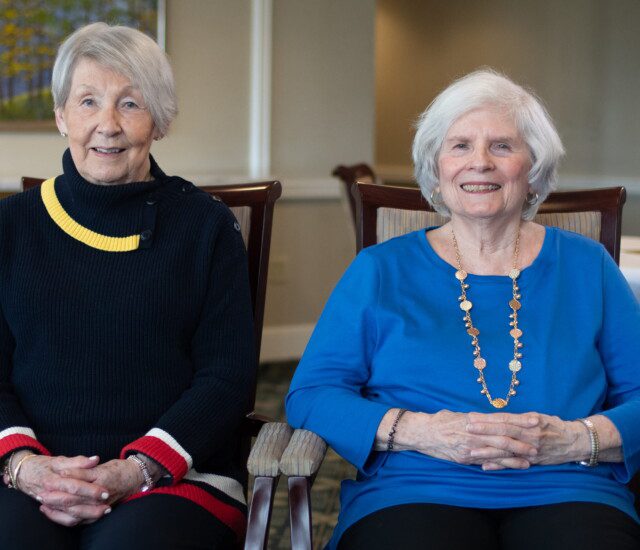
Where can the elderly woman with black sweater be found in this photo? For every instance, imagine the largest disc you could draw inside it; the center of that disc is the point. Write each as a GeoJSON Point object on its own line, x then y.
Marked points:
{"type": "Point", "coordinates": [126, 347]}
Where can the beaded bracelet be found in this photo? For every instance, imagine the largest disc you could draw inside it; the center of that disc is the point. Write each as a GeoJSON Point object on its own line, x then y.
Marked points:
{"type": "Point", "coordinates": [392, 433]}
{"type": "Point", "coordinates": [12, 473]}
{"type": "Point", "coordinates": [148, 480]}
{"type": "Point", "coordinates": [595, 443]}
{"type": "Point", "coordinates": [7, 471]}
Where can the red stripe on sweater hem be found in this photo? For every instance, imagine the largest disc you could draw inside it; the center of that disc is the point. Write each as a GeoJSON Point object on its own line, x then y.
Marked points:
{"type": "Point", "coordinates": [159, 451]}
{"type": "Point", "coordinates": [227, 514]}
{"type": "Point", "coordinates": [14, 442]}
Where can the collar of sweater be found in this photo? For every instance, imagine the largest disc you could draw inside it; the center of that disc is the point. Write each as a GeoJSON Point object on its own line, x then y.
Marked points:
{"type": "Point", "coordinates": [113, 210]}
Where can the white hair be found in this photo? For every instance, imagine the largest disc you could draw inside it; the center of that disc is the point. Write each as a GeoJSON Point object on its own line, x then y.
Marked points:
{"type": "Point", "coordinates": [487, 88]}
{"type": "Point", "coordinates": [125, 51]}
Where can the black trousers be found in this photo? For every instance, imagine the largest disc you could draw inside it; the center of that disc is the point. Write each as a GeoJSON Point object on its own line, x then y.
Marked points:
{"type": "Point", "coordinates": [162, 522]}
{"type": "Point", "coordinates": [566, 526]}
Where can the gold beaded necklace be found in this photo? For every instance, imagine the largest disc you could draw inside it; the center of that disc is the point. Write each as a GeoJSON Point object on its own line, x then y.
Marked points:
{"type": "Point", "coordinates": [465, 305]}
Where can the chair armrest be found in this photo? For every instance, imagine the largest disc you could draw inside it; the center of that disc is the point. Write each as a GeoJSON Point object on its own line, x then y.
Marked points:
{"type": "Point", "coordinates": [252, 424]}
{"type": "Point", "coordinates": [268, 448]}
{"type": "Point", "coordinates": [304, 454]}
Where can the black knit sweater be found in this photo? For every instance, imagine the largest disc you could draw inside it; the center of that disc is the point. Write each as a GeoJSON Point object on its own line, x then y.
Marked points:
{"type": "Point", "coordinates": [114, 352]}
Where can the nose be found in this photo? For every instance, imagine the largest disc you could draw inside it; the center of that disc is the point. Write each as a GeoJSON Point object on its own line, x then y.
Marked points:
{"type": "Point", "coordinates": [481, 160]}
{"type": "Point", "coordinates": [109, 121]}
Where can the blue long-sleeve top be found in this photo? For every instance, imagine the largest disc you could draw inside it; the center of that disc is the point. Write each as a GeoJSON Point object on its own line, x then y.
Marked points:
{"type": "Point", "coordinates": [392, 335]}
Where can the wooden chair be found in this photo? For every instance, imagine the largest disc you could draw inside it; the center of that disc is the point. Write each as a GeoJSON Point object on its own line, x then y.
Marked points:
{"type": "Point", "coordinates": [384, 212]}
{"type": "Point", "coordinates": [252, 205]}
{"type": "Point", "coordinates": [348, 175]}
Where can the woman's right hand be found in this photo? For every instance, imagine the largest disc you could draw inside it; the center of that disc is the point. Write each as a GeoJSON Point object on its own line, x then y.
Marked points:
{"type": "Point", "coordinates": [445, 435]}
{"type": "Point", "coordinates": [65, 500]}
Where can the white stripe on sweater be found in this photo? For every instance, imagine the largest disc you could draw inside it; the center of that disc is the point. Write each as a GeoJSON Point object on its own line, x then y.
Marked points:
{"type": "Point", "coordinates": [227, 485]}
{"type": "Point", "coordinates": [169, 440]}
{"type": "Point", "coordinates": [18, 430]}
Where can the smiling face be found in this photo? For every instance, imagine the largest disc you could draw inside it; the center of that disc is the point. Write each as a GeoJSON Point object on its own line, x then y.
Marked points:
{"type": "Point", "coordinates": [483, 166]}
{"type": "Point", "coordinates": [109, 126]}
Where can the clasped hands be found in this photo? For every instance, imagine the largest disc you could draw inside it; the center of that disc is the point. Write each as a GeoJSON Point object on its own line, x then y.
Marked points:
{"type": "Point", "coordinates": [496, 441]}
{"type": "Point", "coordinates": [76, 490]}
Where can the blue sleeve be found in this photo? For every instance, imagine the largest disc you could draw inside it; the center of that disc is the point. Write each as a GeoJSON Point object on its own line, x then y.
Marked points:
{"type": "Point", "coordinates": [325, 395]}
{"type": "Point", "coordinates": [619, 347]}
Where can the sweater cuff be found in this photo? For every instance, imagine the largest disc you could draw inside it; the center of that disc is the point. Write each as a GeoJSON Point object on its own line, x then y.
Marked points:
{"type": "Point", "coordinates": [165, 450]}
{"type": "Point", "coordinates": [20, 437]}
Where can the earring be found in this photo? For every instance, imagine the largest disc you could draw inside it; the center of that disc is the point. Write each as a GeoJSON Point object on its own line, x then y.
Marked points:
{"type": "Point", "coordinates": [435, 198]}
{"type": "Point", "coordinates": [532, 198]}
{"type": "Point", "coordinates": [63, 134]}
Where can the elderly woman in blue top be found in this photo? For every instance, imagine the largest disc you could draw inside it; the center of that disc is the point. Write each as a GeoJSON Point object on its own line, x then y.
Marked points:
{"type": "Point", "coordinates": [126, 351]}
{"type": "Point", "coordinates": [483, 376]}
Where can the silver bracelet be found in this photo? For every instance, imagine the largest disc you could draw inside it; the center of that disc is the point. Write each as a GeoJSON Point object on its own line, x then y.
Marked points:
{"type": "Point", "coordinates": [148, 480]}
{"type": "Point", "coordinates": [595, 444]}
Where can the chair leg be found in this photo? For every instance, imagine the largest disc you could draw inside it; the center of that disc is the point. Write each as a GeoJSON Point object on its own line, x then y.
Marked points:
{"type": "Point", "coordinates": [260, 513]}
{"type": "Point", "coordinates": [300, 513]}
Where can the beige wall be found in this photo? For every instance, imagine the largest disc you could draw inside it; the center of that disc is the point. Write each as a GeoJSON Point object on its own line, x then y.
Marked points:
{"type": "Point", "coordinates": [323, 83]}
{"type": "Point", "coordinates": [323, 115]}
{"type": "Point", "coordinates": [581, 56]}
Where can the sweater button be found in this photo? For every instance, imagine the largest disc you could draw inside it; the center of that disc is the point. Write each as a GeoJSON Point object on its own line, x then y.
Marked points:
{"type": "Point", "coordinates": [216, 198]}
{"type": "Point", "coordinates": [186, 187]}
{"type": "Point", "coordinates": [236, 225]}
{"type": "Point", "coordinates": [146, 235]}
{"type": "Point", "coordinates": [151, 202]}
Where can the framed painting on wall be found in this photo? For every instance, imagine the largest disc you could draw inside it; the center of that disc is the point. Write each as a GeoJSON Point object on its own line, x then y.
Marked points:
{"type": "Point", "coordinates": [30, 33]}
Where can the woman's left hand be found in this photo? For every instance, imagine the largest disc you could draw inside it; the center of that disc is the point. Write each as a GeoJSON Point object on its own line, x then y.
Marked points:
{"type": "Point", "coordinates": [557, 441]}
{"type": "Point", "coordinates": [122, 478]}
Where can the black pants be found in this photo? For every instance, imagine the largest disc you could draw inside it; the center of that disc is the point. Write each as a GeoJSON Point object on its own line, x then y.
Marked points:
{"type": "Point", "coordinates": [566, 526]}
{"type": "Point", "coordinates": [162, 522]}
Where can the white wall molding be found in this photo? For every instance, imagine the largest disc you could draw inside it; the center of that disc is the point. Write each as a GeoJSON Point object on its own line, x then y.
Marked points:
{"type": "Point", "coordinates": [284, 342]}
{"type": "Point", "coordinates": [293, 188]}
{"type": "Point", "coordinates": [570, 181]}
{"type": "Point", "coordinates": [260, 97]}
{"type": "Point", "coordinates": [395, 172]}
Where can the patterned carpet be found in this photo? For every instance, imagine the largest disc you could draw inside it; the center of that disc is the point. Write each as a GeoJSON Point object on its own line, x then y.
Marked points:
{"type": "Point", "coordinates": [273, 383]}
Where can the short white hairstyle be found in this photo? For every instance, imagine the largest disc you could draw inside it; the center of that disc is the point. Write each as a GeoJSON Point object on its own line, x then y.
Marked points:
{"type": "Point", "coordinates": [487, 88]}
{"type": "Point", "coordinates": [127, 52]}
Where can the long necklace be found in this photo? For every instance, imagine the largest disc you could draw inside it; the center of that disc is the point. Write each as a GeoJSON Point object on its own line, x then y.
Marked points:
{"type": "Point", "coordinates": [479, 362]}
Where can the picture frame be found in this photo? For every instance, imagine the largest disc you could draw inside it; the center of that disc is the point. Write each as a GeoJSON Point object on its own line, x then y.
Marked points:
{"type": "Point", "coordinates": [30, 33]}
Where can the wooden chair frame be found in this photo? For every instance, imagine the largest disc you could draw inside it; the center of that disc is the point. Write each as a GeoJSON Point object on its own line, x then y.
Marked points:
{"type": "Point", "coordinates": [348, 175]}
{"type": "Point", "coordinates": [607, 201]}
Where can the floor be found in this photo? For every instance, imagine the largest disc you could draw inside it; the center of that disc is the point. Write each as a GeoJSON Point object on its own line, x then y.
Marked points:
{"type": "Point", "coordinates": [273, 383]}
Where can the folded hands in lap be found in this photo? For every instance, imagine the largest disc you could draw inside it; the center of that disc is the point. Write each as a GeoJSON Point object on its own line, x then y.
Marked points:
{"type": "Point", "coordinates": [494, 441]}
{"type": "Point", "coordinates": [555, 441]}
{"type": "Point", "coordinates": [75, 490]}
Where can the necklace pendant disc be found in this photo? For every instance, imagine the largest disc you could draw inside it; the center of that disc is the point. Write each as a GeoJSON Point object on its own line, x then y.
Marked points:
{"type": "Point", "coordinates": [473, 331]}
{"type": "Point", "coordinates": [479, 363]}
{"type": "Point", "coordinates": [514, 304]}
{"type": "Point", "coordinates": [515, 365]}
{"type": "Point", "coordinates": [514, 273]}
{"type": "Point", "coordinates": [461, 274]}
{"type": "Point", "coordinates": [466, 305]}
{"type": "Point", "coordinates": [515, 333]}
{"type": "Point", "coordinates": [499, 403]}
